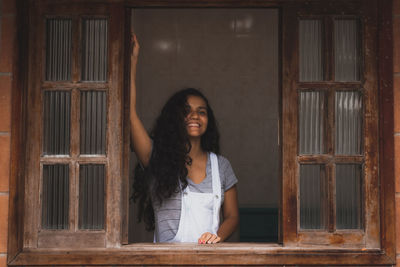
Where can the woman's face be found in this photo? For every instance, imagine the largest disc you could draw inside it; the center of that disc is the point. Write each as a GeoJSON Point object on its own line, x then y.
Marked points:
{"type": "Point", "coordinates": [197, 117]}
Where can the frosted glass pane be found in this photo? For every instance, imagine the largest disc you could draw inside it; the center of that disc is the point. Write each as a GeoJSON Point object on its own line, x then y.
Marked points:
{"type": "Point", "coordinates": [91, 196]}
{"type": "Point", "coordinates": [56, 122]}
{"type": "Point", "coordinates": [55, 196]}
{"type": "Point", "coordinates": [348, 118]}
{"type": "Point", "coordinates": [94, 52]}
{"type": "Point", "coordinates": [311, 63]}
{"type": "Point", "coordinates": [348, 196]}
{"type": "Point", "coordinates": [312, 122]}
{"type": "Point", "coordinates": [58, 49]}
{"type": "Point", "coordinates": [313, 197]}
{"type": "Point", "coordinates": [347, 50]}
{"type": "Point", "coordinates": [93, 122]}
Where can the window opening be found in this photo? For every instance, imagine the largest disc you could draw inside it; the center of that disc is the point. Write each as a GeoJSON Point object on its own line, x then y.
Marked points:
{"type": "Point", "coordinates": [232, 55]}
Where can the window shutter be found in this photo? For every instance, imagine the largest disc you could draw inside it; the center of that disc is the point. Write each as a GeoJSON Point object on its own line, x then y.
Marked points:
{"type": "Point", "coordinates": [75, 152]}
{"type": "Point", "coordinates": [329, 181]}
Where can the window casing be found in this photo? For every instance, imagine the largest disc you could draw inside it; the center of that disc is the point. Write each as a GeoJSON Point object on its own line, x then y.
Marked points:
{"type": "Point", "coordinates": [331, 247]}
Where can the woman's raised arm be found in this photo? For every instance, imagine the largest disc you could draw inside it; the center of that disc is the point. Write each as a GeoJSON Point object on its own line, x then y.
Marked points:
{"type": "Point", "coordinates": [140, 139]}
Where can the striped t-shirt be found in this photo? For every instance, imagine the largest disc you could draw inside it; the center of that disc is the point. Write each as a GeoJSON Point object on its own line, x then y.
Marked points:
{"type": "Point", "coordinates": [167, 215]}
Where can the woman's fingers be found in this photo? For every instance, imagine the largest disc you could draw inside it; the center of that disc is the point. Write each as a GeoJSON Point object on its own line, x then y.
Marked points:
{"type": "Point", "coordinates": [135, 41]}
{"type": "Point", "coordinates": [203, 238]}
{"type": "Point", "coordinates": [209, 238]}
{"type": "Point", "coordinates": [135, 45]}
{"type": "Point", "coordinates": [216, 240]}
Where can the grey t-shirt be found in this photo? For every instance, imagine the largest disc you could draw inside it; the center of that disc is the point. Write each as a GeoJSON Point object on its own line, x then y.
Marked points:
{"type": "Point", "coordinates": [167, 215]}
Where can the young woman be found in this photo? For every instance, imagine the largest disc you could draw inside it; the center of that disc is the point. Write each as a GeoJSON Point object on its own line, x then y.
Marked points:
{"type": "Point", "coordinates": [182, 182]}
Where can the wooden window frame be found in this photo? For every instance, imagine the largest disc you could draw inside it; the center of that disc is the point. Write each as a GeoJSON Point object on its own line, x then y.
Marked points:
{"type": "Point", "coordinates": [225, 253]}
{"type": "Point", "coordinates": [367, 236]}
{"type": "Point", "coordinates": [36, 236]}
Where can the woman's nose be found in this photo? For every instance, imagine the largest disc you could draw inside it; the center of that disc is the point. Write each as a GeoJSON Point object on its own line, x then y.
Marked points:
{"type": "Point", "coordinates": [193, 114]}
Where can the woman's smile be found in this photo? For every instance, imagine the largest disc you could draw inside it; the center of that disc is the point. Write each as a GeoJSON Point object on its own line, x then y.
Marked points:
{"type": "Point", "coordinates": [192, 124]}
{"type": "Point", "coordinates": [197, 117]}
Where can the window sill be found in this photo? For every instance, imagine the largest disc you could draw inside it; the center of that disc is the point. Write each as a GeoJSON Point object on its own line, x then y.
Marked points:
{"type": "Point", "coordinates": [224, 253]}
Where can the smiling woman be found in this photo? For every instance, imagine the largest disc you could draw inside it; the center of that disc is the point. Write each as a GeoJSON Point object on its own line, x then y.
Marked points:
{"type": "Point", "coordinates": [232, 56]}
{"type": "Point", "coordinates": [177, 157]}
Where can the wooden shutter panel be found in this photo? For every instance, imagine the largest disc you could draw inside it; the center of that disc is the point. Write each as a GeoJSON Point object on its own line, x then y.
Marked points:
{"type": "Point", "coordinates": [332, 121]}
{"type": "Point", "coordinates": [74, 149]}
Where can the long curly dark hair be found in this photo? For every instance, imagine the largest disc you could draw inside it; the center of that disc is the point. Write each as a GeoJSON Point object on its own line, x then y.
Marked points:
{"type": "Point", "coordinates": [171, 145]}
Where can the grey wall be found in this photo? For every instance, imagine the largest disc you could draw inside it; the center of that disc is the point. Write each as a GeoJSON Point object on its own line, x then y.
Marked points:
{"type": "Point", "coordinates": [232, 56]}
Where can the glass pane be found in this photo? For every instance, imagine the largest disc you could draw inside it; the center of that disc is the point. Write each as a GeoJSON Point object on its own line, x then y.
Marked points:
{"type": "Point", "coordinates": [58, 49]}
{"type": "Point", "coordinates": [91, 196]}
{"type": "Point", "coordinates": [312, 122]}
{"type": "Point", "coordinates": [313, 197]}
{"type": "Point", "coordinates": [348, 196]}
{"type": "Point", "coordinates": [55, 196]}
{"type": "Point", "coordinates": [93, 122]}
{"type": "Point", "coordinates": [347, 50]}
{"type": "Point", "coordinates": [311, 56]}
{"type": "Point", "coordinates": [348, 117]}
{"type": "Point", "coordinates": [94, 50]}
{"type": "Point", "coordinates": [56, 122]}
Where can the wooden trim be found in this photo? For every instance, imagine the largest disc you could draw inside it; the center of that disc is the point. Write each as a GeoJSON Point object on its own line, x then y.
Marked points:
{"type": "Point", "coordinates": [345, 238]}
{"type": "Point", "coordinates": [74, 128]}
{"type": "Point", "coordinates": [66, 239]}
{"type": "Point", "coordinates": [330, 208]}
{"type": "Point", "coordinates": [80, 160]}
{"type": "Point", "coordinates": [280, 129]}
{"type": "Point", "coordinates": [204, 3]}
{"type": "Point", "coordinates": [125, 197]}
{"type": "Point", "coordinates": [371, 126]}
{"type": "Point", "coordinates": [226, 254]}
{"type": "Point", "coordinates": [343, 4]}
{"type": "Point", "coordinates": [115, 125]}
{"type": "Point", "coordinates": [33, 122]}
{"type": "Point", "coordinates": [92, 86]}
{"type": "Point", "coordinates": [330, 120]}
{"type": "Point", "coordinates": [386, 129]}
{"type": "Point", "coordinates": [338, 8]}
{"type": "Point", "coordinates": [326, 159]}
{"type": "Point", "coordinates": [18, 118]}
{"type": "Point", "coordinates": [86, 7]}
{"type": "Point", "coordinates": [74, 196]}
{"type": "Point", "coordinates": [330, 85]}
{"type": "Point", "coordinates": [289, 126]}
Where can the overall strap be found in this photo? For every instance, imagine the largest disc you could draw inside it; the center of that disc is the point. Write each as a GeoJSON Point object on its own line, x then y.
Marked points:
{"type": "Point", "coordinates": [216, 186]}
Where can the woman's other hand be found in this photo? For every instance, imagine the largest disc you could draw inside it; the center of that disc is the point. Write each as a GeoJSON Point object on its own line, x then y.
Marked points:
{"type": "Point", "coordinates": [135, 47]}
{"type": "Point", "coordinates": [134, 59]}
{"type": "Point", "coordinates": [209, 238]}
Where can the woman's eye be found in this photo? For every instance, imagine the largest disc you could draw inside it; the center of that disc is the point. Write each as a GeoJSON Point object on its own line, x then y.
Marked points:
{"type": "Point", "coordinates": [187, 110]}
{"type": "Point", "coordinates": [202, 113]}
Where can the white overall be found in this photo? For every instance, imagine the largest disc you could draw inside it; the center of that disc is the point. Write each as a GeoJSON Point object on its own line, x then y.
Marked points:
{"type": "Point", "coordinates": [200, 211]}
